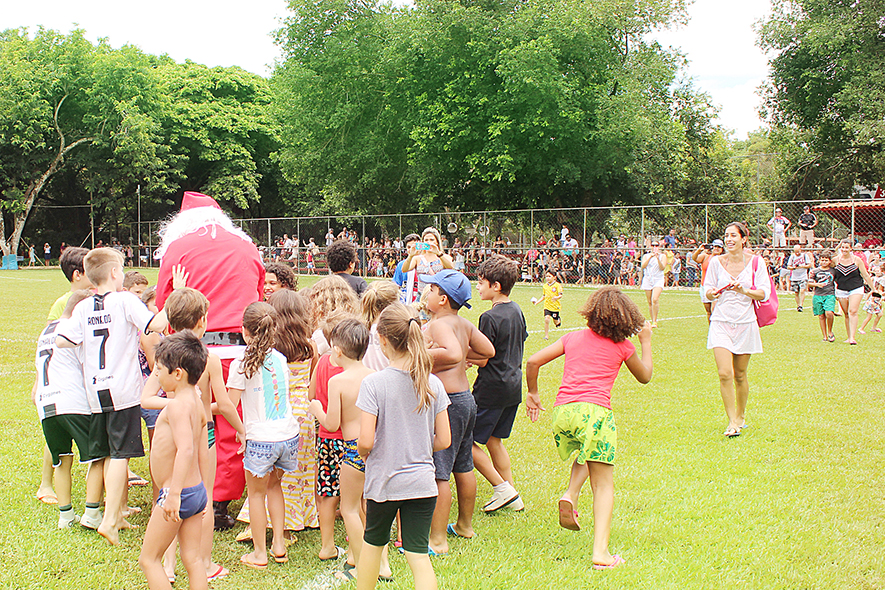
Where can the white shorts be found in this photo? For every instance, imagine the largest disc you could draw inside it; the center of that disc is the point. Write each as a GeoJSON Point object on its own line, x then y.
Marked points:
{"type": "Point", "coordinates": [736, 338]}
{"type": "Point", "coordinates": [840, 294]}
{"type": "Point", "coordinates": [648, 283]}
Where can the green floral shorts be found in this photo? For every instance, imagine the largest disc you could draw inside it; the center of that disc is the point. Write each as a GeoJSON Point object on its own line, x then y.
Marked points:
{"type": "Point", "coordinates": [586, 428]}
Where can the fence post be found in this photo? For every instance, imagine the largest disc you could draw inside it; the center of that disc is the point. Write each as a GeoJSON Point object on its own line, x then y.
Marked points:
{"type": "Point", "coordinates": [584, 239]}
{"type": "Point", "coordinates": [642, 226]}
{"type": "Point", "coordinates": [268, 233]}
{"type": "Point", "coordinates": [852, 223]}
{"type": "Point", "coordinates": [399, 217]}
{"type": "Point", "coordinates": [706, 224]}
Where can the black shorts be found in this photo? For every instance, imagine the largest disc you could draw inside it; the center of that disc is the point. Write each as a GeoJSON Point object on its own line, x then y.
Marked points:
{"type": "Point", "coordinates": [552, 314]}
{"type": "Point", "coordinates": [63, 430]}
{"type": "Point", "coordinates": [497, 422]}
{"type": "Point", "coordinates": [415, 516]}
{"type": "Point", "coordinates": [458, 458]}
{"type": "Point", "coordinates": [118, 431]}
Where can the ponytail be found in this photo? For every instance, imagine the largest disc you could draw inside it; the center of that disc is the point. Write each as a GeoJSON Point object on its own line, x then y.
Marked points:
{"type": "Point", "coordinates": [403, 331]}
{"type": "Point", "coordinates": [377, 297]}
{"type": "Point", "coordinates": [259, 320]}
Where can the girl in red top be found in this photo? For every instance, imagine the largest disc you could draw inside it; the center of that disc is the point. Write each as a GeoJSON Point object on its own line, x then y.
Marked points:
{"type": "Point", "coordinates": [582, 418]}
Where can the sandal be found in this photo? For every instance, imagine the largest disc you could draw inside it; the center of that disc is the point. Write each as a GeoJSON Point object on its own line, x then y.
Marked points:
{"type": "Point", "coordinates": [568, 516]}
{"type": "Point", "coordinates": [247, 561]}
{"type": "Point", "coordinates": [732, 432]}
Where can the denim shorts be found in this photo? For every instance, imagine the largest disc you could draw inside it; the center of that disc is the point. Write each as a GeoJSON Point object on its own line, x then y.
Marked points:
{"type": "Point", "coordinates": [260, 457]}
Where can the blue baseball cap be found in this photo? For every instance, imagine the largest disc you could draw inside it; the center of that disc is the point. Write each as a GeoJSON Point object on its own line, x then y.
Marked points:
{"type": "Point", "coordinates": [453, 282]}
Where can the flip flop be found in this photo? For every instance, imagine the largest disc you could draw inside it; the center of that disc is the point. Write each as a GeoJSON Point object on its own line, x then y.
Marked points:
{"type": "Point", "coordinates": [47, 498]}
{"type": "Point", "coordinates": [137, 480]}
{"type": "Point", "coordinates": [345, 575]}
{"type": "Point", "coordinates": [433, 553]}
{"type": "Point", "coordinates": [618, 561]}
{"type": "Point", "coordinates": [341, 553]}
{"type": "Point", "coordinates": [731, 432]}
{"type": "Point", "coordinates": [245, 560]}
{"type": "Point", "coordinates": [219, 573]}
{"type": "Point", "coordinates": [245, 535]}
{"type": "Point", "coordinates": [284, 558]}
{"type": "Point", "coordinates": [568, 516]}
{"type": "Point", "coordinates": [451, 531]}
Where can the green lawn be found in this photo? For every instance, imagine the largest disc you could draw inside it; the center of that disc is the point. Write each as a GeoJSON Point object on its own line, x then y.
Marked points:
{"type": "Point", "coordinates": [796, 502]}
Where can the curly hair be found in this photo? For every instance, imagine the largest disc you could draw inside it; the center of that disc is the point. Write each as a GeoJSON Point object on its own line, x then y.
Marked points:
{"type": "Point", "coordinates": [612, 315]}
{"type": "Point", "coordinates": [293, 328]}
{"type": "Point", "coordinates": [329, 294]}
{"type": "Point", "coordinates": [340, 255]}
{"type": "Point", "coordinates": [285, 275]}
{"type": "Point", "coordinates": [259, 320]}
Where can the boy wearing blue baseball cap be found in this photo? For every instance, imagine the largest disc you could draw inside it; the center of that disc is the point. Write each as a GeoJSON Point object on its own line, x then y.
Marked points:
{"type": "Point", "coordinates": [453, 341]}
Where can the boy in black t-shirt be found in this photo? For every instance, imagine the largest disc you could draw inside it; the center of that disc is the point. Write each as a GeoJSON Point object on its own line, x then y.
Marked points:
{"type": "Point", "coordinates": [498, 385]}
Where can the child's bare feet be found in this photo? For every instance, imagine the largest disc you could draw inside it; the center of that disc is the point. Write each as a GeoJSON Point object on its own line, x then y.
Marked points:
{"type": "Point", "coordinates": [46, 495]}
{"type": "Point", "coordinates": [130, 510]}
{"type": "Point", "coordinates": [110, 533]}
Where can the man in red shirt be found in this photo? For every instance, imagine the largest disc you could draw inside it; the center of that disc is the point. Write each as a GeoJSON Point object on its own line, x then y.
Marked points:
{"type": "Point", "coordinates": [224, 265]}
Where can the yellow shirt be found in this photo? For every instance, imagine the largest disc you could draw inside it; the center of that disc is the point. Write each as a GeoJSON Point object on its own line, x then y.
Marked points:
{"type": "Point", "coordinates": [58, 307]}
{"type": "Point", "coordinates": [551, 291]}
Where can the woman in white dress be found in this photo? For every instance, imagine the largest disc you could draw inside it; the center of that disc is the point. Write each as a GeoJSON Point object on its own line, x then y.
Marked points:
{"type": "Point", "coordinates": [733, 283]}
{"type": "Point", "coordinates": [653, 264]}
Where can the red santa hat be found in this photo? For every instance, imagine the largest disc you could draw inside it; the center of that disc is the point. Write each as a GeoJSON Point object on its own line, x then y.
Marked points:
{"type": "Point", "coordinates": [193, 200]}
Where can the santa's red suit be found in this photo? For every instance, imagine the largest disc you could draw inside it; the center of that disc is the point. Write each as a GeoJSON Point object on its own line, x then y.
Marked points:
{"type": "Point", "coordinates": [224, 265]}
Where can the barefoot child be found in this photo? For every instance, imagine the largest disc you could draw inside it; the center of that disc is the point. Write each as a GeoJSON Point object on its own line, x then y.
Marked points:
{"type": "Point", "coordinates": [552, 302]}
{"type": "Point", "coordinates": [261, 379]}
{"type": "Point", "coordinates": [107, 326]}
{"type": "Point", "coordinates": [451, 340]}
{"type": "Point", "coordinates": [403, 422]}
{"type": "Point", "coordinates": [583, 419]}
{"type": "Point", "coordinates": [823, 301]}
{"type": "Point", "coordinates": [498, 386]}
{"type": "Point", "coordinates": [187, 309]}
{"type": "Point", "coordinates": [60, 396]}
{"type": "Point", "coordinates": [349, 340]}
{"type": "Point", "coordinates": [175, 463]}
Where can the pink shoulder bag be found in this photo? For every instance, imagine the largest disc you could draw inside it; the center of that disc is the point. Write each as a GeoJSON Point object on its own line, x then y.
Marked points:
{"type": "Point", "coordinates": [766, 311]}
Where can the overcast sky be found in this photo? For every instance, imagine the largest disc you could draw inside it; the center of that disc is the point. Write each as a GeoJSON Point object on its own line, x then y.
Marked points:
{"type": "Point", "coordinates": [719, 40]}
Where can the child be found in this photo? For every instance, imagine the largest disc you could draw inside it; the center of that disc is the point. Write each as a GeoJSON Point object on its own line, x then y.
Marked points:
{"type": "Point", "coordinates": [452, 340]}
{"type": "Point", "coordinates": [260, 377]}
{"type": "Point", "coordinates": [377, 297]}
{"type": "Point", "coordinates": [60, 396]}
{"type": "Point", "coordinates": [498, 386]}
{"type": "Point", "coordinates": [107, 326]}
{"type": "Point", "coordinates": [135, 282]}
{"type": "Point", "coordinates": [187, 309]}
{"type": "Point", "coordinates": [552, 301]}
{"type": "Point", "coordinates": [71, 263]}
{"type": "Point", "coordinates": [583, 420]}
{"type": "Point", "coordinates": [823, 301]}
{"type": "Point", "coordinates": [873, 307]}
{"type": "Point", "coordinates": [175, 463]}
{"type": "Point", "coordinates": [330, 294]}
{"type": "Point", "coordinates": [403, 422]}
{"type": "Point", "coordinates": [349, 340]}
{"type": "Point", "coordinates": [292, 338]}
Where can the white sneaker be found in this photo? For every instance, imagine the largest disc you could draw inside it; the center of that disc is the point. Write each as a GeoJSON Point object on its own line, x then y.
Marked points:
{"type": "Point", "coordinates": [500, 498]}
{"type": "Point", "coordinates": [64, 523]}
{"type": "Point", "coordinates": [517, 505]}
{"type": "Point", "coordinates": [90, 523]}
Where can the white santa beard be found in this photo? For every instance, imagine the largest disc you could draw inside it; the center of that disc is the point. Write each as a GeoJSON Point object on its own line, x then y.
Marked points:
{"type": "Point", "coordinates": [205, 219]}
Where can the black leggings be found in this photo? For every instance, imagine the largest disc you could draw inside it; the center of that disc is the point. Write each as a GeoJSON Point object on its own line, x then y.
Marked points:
{"type": "Point", "coordinates": [415, 517]}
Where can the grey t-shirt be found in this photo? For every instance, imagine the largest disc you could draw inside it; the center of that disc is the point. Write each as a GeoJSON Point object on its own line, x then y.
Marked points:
{"type": "Point", "coordinates": [400, 466]}
{"type": "Point", "coordinates": [824, 277]}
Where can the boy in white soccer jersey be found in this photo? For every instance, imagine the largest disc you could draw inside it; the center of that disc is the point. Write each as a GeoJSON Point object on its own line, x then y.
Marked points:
{"type": "Point", "coordinates": [107, 326]}
{"type": "Point", "coordinates": [60, 397]}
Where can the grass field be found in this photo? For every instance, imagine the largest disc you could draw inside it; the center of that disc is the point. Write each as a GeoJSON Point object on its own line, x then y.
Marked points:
{"type": "Point", "coordinates": [797, 502]}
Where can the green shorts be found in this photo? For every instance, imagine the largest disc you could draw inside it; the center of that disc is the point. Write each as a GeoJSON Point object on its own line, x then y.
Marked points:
{"type": "Point", "coordinates": [821, 304]}
{"type": "Point", "coordinates": [586, 428]}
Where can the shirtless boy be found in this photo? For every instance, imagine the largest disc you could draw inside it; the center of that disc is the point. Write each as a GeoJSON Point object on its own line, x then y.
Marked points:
{"type": "Point", "coordinates": [452, 340]}
{"type": "Point", "coordinates": [349, 340]}
{"type": "Point", "coordinates": [175, 463]}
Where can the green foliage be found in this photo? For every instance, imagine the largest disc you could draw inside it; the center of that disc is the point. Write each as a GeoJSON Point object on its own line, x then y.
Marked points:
{"type": "Point", "coordinates": [825, 94]}
{"type": "Point", "coordinates": [477, 105]}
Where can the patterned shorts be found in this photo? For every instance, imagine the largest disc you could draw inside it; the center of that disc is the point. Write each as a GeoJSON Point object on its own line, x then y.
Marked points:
{"type": "Point", "coordinates": [330, 451]}
{"type": "Point", "coordinates": [586, 428]}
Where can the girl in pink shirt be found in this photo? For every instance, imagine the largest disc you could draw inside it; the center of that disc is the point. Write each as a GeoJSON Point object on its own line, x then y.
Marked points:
{"type": "Point", "coordinates": [582, 415]}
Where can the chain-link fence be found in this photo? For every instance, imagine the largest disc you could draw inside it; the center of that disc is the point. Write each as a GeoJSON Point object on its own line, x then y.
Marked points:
{"type": "Point", "coordinates": [588, 245]}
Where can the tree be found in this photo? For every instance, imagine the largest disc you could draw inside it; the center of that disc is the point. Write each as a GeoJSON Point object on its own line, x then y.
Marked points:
{"type": "Point", "coordinates": [825, 95]}
{"type": "Point", "coordinates": [467, 104]}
